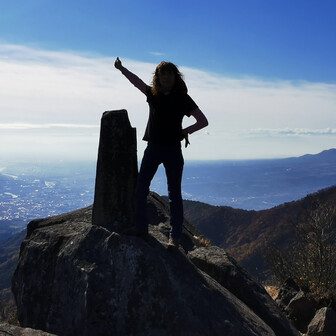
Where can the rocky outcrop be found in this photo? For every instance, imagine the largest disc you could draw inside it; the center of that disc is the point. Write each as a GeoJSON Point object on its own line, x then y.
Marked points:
{"type": "Point", "coordinates": [12, 330]}
{"type": "Point", "coordinates": [307, 315]}
{"type": "Point", "coordinates": [287, 292]}
{"type": "Point", "coordinates": [323, 323]}
{"type": "Point", "coordinates": [225, 270]}
{"type": "Point", "coordinates": [75, 278]}
{"type": "Point", "coordinates": [79, 275]}
{"type": "Point", "coordinates": [300, 310]}
{"type": "Point", "coordinates": [116, 172]}
{"type": "Point", "coordinates": [7, 306]}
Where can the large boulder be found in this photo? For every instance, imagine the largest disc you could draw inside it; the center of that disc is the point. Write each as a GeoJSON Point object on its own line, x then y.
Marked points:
{"type": "Point", "coordinates": [12, 330]}
{"type": "Point", "coordinates": [300, 310]}
{"type": "Point", "coordinates": [75, 278]}
{"type": "Point", "coordinates": [287, 292]}
{"type": "Point", "coordinates": [323, 323]}
{"type": "Point", "coordinates": [225, 270]}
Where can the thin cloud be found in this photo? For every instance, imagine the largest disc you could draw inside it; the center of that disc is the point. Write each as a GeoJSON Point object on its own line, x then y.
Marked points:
{"type": "Point", "coordinates": [25, 126]}
{"type": "Point", "coordinates": [64, 91]}
{"type": "Point", "coordinates": [157, 53]}
{"type": "Point", "coordinates": [294, 132]}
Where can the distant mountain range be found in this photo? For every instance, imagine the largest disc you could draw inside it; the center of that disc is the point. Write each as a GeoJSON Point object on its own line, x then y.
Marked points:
{"type": "Point", "coordinates": [254, 184]}
{"type": "Point", "coordinates": [29, 191]}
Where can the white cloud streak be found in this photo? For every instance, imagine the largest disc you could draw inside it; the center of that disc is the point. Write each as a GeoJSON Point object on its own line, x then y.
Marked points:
{"type": "Point", "coordinates": [44, 92]}
{"type": "Point", "coordinates": [157, 53]}
{"type": "Point", "coordinates": [25, 126]}
{"type": "Point", "coordinates": [293, 132]}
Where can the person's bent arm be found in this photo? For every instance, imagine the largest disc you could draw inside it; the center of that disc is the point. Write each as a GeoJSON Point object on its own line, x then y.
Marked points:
{"type": "Point", "coordinates": [134, 79]}
{"type": "Point", "coordinates": [201, 121]}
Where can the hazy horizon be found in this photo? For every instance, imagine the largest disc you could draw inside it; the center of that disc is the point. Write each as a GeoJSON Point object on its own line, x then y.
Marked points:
{"type": "Point", "coordinates": [30, 164]}
{"type": "Point", "coordinates": [32, 190]}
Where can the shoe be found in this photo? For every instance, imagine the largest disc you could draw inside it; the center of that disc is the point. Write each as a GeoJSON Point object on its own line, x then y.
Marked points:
{"type": "Point", "coordinates": [133, 231]}
{"type": "Point", "coordinates": [173, 244]}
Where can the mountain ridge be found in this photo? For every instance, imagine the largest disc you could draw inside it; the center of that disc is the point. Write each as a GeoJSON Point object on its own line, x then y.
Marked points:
{"type": "Point", "coordinates": [245, 233]}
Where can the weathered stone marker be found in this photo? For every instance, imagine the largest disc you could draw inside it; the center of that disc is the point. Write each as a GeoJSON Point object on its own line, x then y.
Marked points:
{"type": "Point", "coordinates": [117, 171]}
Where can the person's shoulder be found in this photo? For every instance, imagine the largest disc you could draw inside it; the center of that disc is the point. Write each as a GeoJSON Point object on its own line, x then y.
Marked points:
{"type": "Point", "coordinates": [149, 93]}
{"type": "Point", "coordinates": [149, 90]}
{"type": "Point", "coordinates": [185, 96]}
{"type": "Point", "coordinates": [181, 94]}
{"type": "Point", "coordinates": [188, 102]}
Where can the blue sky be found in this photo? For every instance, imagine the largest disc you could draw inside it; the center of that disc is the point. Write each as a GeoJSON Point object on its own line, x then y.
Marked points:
{"type": "Point", "coordinates": [263, 72]}
{"type": "Point", "coordinates": [289, 39]}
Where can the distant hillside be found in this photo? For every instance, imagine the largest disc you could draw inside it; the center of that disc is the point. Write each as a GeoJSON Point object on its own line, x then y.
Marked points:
{"type": "Point", "coordinates": [254, 184]}
{"type": "Point", "coordinates": [9, 254]}
{"type": "Point", "coordinates": [326, 156]}
{"type": "Point", "coordinates": [244, 234]}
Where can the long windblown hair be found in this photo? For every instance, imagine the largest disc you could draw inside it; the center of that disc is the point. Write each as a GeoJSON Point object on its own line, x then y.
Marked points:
{"type": "Point", "coordinates": [179, 85]}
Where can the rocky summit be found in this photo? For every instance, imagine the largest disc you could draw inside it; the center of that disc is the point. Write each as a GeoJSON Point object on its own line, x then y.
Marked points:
{"type": "Point", "coordinates": [78, 274]}
{"type": "Point", "coordinates": [75, 278]}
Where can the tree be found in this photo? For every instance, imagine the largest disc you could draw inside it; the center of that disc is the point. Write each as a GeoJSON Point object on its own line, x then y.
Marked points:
{"type": "Point", "coordinates": [310, 258]}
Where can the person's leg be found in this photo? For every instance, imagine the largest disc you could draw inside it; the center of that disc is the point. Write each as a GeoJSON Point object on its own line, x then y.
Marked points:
{"type": "Point", "coordinates": [173, 163]}
{"type": "Point", "coordinates": [148, 168]}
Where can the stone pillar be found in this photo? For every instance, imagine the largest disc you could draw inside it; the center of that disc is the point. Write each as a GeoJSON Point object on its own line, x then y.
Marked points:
{"type": "Point", "coordinates": [116, 174]}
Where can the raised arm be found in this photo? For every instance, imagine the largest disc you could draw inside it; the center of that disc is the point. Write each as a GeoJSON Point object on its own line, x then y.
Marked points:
{"type": "Point", "coordinates": [134, 79]}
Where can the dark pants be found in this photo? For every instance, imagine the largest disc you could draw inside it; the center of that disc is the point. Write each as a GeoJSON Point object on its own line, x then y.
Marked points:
{"type": "Point", "coordinates": [172, 160]}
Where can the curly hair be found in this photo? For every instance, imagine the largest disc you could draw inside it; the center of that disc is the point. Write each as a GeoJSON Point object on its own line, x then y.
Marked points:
{"type": "Point", "coordinates": [179, 85]}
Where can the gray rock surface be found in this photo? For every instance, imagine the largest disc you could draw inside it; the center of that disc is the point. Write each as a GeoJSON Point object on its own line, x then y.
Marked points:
{"type": "Point", "coordinates": [116, 172]}
{"type": "Point", "coordinates": [323, 323]}
{"type": "Point", "coordinates": [225, 270]}
{"type": "Point", "coordinates": [286, 293]}
{"type": "Point", "coordinates": [75, 278]}
{"type": "Point", "coordinates": [11, 330]}
{"type": "Point", "coordinates": [300, 311]}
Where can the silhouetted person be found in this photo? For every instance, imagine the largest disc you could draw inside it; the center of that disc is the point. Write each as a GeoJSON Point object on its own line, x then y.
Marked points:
{"type": "Point", "coordinates": [168, 102]}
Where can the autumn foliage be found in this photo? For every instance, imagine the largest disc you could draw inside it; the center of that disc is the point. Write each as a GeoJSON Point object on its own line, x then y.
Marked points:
{"type": "Point", "coordinates": [310, 259]}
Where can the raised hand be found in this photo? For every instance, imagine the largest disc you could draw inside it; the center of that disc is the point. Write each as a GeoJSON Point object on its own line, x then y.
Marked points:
{"type": "Point", "coordinates": [118, 64]}
{"type": "Point", "coordinates": [134, 79]}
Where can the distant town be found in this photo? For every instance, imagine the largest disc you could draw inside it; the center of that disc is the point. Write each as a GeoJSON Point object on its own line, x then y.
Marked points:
{"type": "Point", "coordinates": [23, 198]}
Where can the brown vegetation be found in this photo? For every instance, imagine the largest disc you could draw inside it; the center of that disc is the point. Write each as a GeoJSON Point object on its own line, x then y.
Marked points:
{"type": "Point", "coordinates": [246, 235]}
